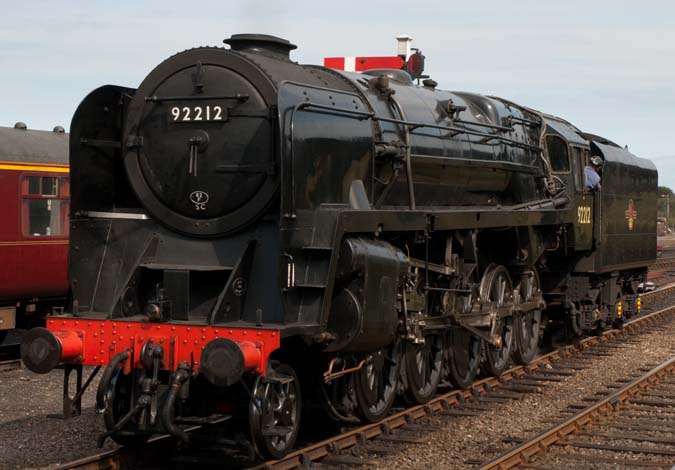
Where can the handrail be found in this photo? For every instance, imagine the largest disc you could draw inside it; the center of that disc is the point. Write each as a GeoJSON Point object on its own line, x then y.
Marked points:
{"type": "Point", "coordinates": [310, 106]}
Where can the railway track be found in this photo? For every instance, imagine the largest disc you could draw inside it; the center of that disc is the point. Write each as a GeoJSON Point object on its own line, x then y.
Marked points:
{"type": "Point", "coordinates": [662, 269]}
{"type": "Point", "coordinates": [661, 276]}
{"type": "Point", "coordinates": [10, 357]}
{"type": "Point", "coordinates": [518, 380]}
{"type": "Point", "coordinates": [663, 263]}
{"type": "Point", "coordinates": [630, 427]}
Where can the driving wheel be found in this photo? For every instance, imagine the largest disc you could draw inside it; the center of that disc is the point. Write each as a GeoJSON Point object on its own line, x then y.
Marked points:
{"type": "Point", "coordinates": [463, 354]}
{"type": "Point", "coordinates": [376, 383]}
{"type": "Point", "coordinates": [527, 325]}
{"type": "Point", "coordinates": [496, 288]}
{"type": "Point", "coordinates": [423, 366]}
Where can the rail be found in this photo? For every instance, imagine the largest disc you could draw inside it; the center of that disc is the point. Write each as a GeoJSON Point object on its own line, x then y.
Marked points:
{"type": "Point", "coordinates": [558, 433]}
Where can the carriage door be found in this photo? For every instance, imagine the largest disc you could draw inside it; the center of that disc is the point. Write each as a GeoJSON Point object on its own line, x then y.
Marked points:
{"type": "Point", "coordinates": [585, 217]}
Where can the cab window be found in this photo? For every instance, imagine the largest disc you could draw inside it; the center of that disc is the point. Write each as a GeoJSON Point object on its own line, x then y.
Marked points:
{"type": "Point", "coordinates": [558, 154]}
{"type": "Point", "coordinates": [580, 161]}
{"type": "Point", "coordinates": [45, 206]}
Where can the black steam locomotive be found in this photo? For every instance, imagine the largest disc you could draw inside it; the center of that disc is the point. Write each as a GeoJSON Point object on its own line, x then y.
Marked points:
{"type": "Point", "coordinates": [249, 234]}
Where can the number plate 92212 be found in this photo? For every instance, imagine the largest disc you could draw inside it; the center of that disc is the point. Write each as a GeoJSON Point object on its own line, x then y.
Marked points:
{"type": "Point", "coordinates": [197, 113]}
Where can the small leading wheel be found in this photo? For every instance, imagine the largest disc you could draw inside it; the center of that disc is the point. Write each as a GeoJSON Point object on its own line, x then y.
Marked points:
{"type": "Point", "coordinates": [463, 353]}
{"type": "Point", "coordinates": [376, 383]}
{"type": "Point", "coordinates": [496, 287]}
{"type": "Point", "coordinates": [423, 364]}
{"type": "Point", "coordinates": [119, 399]}
{"type": "Point", "coordinates": [274, 411]}
{"type": "Point", "coordinates": [527, 326]}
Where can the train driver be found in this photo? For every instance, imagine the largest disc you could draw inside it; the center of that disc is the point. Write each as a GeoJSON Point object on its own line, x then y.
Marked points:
{"type": "Point", "coordinates": [591, 174]}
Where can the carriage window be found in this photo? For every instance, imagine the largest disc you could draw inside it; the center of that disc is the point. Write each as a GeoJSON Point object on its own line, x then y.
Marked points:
{"type": "Point", "coordinates": [46, 217]}
{"type": "Point", "coordinates": [557, 154]}
{"type": "Point", "coordinates": [45, 206]}
{"type": "Point", "coordinates": [41, 185]}
{"type": "Point", "coordinates": [33, 184]}
{"type": "Point", "coordinates": [49, 186]}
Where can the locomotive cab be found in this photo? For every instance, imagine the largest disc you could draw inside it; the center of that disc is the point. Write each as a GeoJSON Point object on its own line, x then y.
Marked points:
{"type": "Point", "coordinates": [627, 212]}
{"type": "Point", "coordinates": [567, 153]}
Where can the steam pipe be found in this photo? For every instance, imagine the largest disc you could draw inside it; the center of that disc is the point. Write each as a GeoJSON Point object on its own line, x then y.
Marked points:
{"type": "Point", "coordinates": [177, 380]}
{"type": "Point", "coordinates": [104, 385]}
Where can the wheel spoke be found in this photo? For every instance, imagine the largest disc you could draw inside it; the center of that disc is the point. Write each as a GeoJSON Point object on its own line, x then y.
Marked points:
{"type": "Point", "coordinates": [502, 292]}
{"type": "Point", "coordinates": [383, 386]}
{"type": "Point", "coordinates": [420, 359]}
{"type": "Point", "coordinates": [370, 373]}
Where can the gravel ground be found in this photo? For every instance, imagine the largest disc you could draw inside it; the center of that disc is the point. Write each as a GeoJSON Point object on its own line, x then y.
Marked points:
{"type": "Point", "coordinates": [469, 438]}
{"type": "Point", "coordinates": [29, 439]}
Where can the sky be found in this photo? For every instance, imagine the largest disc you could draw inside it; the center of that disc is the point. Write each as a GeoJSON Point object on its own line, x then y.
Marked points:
{"type": "Point", "coordinates": [607, 66]}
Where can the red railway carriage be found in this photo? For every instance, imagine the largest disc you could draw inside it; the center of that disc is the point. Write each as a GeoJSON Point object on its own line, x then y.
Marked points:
{"type": "Point", "coordinates": [35, 193]}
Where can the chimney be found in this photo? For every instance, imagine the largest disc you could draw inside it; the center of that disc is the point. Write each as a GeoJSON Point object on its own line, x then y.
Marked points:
{"type": "Point", "coordinates": [404, 42]}
{"type": "Point", "coordinates": [261, 44]}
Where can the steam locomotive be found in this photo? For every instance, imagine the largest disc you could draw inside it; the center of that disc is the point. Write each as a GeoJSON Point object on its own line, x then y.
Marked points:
{"type": "Point", "coordinates": [250, 236]}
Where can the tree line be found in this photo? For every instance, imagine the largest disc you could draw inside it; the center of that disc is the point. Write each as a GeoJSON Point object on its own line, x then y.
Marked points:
{"type": "Point", "coordinates": [666, 204]}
